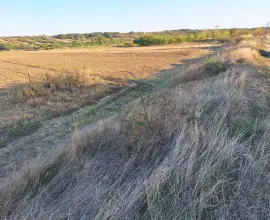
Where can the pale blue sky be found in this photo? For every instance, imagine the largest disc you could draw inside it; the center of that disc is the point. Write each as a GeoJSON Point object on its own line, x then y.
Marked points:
{"type": "Point", "coordinates": [35, 17]}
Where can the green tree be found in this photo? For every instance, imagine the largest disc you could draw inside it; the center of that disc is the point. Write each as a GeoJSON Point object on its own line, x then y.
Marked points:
{"type": "Point", "coordinates": [6, 47]}
{"type": "Point", "coordinates": [190, 37]}
{"type": "Point", "coordinates": [202, 35]}
{"type": "Point", "coordinates": [107, 34]}
{"type": "Point", "coordinates": [233, 33]}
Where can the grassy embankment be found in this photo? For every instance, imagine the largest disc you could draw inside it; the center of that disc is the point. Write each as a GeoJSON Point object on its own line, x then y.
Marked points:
{"type": "Point", "coordinates": [197, 149]}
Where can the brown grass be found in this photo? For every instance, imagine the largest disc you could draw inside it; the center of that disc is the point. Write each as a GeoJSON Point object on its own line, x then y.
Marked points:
{"type": "Point", "coordinates": [198, 150]}
{"type": "Point", "coordinates": [52, 82]}
{"type": "Point", "coordinates": [247, 55]}
{"type": "Point", "coordinates": [108, 62]}
{"type": "Point", "coordinates": [204, 155]}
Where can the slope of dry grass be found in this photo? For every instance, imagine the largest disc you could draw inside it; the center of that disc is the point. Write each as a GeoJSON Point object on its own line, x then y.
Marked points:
{"type": "Point", "coordinates": [253, 51]}
{"type": "Point", "coordinates": [198, 150]}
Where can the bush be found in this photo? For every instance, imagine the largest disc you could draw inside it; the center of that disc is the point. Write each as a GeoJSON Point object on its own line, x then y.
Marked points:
{"type": "Point", "coordinates": [6, 47]}
{"type": "Point", "coordinates": [190, 37]}
{"type": "Point", "coordinates": [221, 34]}
{"type": "Point", "coordinates": [64, 82]}
{"type": "Point", "coordinates": [259, 32]}
{"type": "Point", "coordinates": [153, 40]}
{"type": "Point", "coordinates": [203, 35]}
{"type": "Point", "coordinates": [214, 67]}
{"type": "Point", "coordinates": [129, 44]}
{"type": "Point", "coordinates": [233, 33]}
{"type": "Point", "coordinates": [181, 39]}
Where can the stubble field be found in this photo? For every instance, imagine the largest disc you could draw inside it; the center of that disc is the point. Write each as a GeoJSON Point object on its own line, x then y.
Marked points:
{"type": "Point", "coordinates": [38, 85]}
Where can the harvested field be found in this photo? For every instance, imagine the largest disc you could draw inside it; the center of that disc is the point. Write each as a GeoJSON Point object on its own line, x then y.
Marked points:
{"type": "Point", "coordinates": [35, 86]}
{"type": "Point", "coordinates": [107, 63]}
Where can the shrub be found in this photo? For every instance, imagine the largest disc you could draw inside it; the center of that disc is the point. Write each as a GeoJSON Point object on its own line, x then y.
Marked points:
{"type": "Point", "coordinates": [190, 37]}
{"type": "Point", "coordinates": [214, 67]}
{"type": "Point", "coordinates": [203, 35]}
{"type": "Point", "coordinates": [6, 47]}
{"type": "Point", "coordinates": [181, 39]}
{"type": "Point", "coordinates": [153, 40]}
{"type": "Point", "coordinates": [129, 44]}
{"type": "Point", "coordinates": [68, 82]}
{"type": "Point", "coordinates": [259, 32]}
{"type": "Point", "coordinates": [221, 34]}
{"type": "Point", "coordinates": [64, 81]}
{"type": "Point", "coordinates": [233, 33]}
{"type": "Point", "coordinates": [45, 46]}
{"type": "Point", "coordinates": [246, 55]}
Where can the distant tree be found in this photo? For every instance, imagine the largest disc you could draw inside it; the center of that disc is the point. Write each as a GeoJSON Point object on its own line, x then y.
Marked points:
{"type": "Point", "coordinates": [202, 35]}
{"type": "Point", "coordinates": [268, 26]}
{"type": "Point", "coordinates": [107, 34]}
{"type": "Point", "coordinates": [259, 32]}
{"type": "Point", "coordinates": [153, 39]}
{"type": "Point", "coordinates": [21, 46]}
{"type": "Point", "coordinates": [243, 32]}
{"type": "Point", "coordinates": [233, 33]}
{"type": "Point", "coordinates": [96, 34]}
{"type": "Point", "coordinates": [181, 38]}
{"type": "Point", "coordinates": [45, 46]}
{"type": "Point", "coordinates": [88, 35]}
{"type": "Point", "coordinates": [78, 36]}
{"type": "Point", "coordinates": [216, 32]}
{"type": "Point", "coordinates": [190, 37]}
{"type": "Point", "coordinates": [101, 40]}
{"type": "Point", "coordinates": [129, 44]}
{"type": "Point", "coordinates": [5, 47]}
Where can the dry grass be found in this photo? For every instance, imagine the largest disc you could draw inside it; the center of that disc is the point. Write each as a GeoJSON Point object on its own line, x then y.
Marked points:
{"type": "Point", "coordinates": [228, 57]}
{"type": "Point", "coordinates": [198, 150]}
{"type": "Point", "coordinates": [254, 51]}
{"type": "Point", "coordinates": [201, 70]}
{"type": "Point", "coordinates": [247, 55]}
{"type": "Point", "coordinates": [202, 153]}
{"type": "Point", "coordinates": [39, 84]}
{"type": "Point", "coordinates": [244, 53]}
{"type": "Point", "coordinates": [108, 62]}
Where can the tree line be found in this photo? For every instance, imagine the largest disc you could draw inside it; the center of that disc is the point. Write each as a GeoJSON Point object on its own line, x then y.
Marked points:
{"type": "Point", "coordinates": [124, 39]}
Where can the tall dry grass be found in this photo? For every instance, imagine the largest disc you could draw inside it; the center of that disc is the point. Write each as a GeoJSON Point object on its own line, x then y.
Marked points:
{"type": "Point", "coordinates": [246, 55]}
{"type": "Point", "coordinates": [202, 154]}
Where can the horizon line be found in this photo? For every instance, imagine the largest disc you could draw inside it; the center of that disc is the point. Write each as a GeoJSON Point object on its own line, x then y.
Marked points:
{"type": "Point", "coordinates": [126, 32]}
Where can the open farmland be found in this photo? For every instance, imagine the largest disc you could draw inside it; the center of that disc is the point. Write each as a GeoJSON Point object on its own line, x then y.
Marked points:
{"type": "Point", "coordinates": [38, 85]}
{"type": "Point", "coordinates": [97, 133]}
{"type": "Point", "coordinates": [135, 110]}
{"type": "Point", "coordinates": [107, 62]}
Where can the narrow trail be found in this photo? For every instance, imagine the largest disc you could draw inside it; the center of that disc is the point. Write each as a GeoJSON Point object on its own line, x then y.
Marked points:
{"type": "Point", "coordinates": [40, 145]}
{"type": "Point", "coordinates": [54, 133]}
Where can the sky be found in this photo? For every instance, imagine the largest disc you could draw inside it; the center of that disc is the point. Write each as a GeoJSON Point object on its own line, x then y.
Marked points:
{"type": "Point", "coordinates": [50, 17]}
